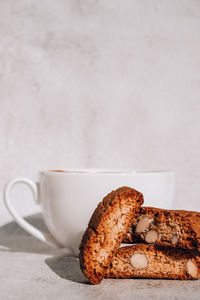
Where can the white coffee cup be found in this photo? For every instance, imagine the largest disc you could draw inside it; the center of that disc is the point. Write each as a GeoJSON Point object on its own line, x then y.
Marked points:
{"type": "Point", "coordinates": [68, 199]}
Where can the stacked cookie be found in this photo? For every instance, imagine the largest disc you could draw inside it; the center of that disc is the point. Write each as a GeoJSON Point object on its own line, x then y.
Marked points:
{"type": "Point", "coordinates": [167, 242]}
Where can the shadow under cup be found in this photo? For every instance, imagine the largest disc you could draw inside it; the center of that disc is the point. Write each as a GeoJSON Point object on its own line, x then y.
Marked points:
{"type": "Point", "coordinates": [69, 197]}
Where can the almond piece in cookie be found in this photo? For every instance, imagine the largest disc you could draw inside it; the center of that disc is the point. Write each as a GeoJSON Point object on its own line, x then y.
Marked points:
{"type": "Point", "coordinates": [143, 224]}
{"type": "Point", "coordinates": [148, 261]}
{"type": "Point", "coordinates": [151, 236]}
{"type": "Point", "coordinates": [139, 261]}
{"type": "Point", "coordinates": [106, 229]}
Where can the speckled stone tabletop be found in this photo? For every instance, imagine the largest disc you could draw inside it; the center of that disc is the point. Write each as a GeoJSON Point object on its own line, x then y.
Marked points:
{"type": "Point", "coordinates": [31, 270]}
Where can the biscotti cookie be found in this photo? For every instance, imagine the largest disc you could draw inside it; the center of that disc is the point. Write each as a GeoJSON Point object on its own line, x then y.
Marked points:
{"type": "Point", "coordinates": [150, 261]}
{"type": "Point", "coordinates": [106, 229]}
{"type": "Point", "coordinates": [174, 228]}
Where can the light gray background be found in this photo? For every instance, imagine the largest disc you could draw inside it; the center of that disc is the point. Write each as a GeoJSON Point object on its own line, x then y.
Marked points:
{"type": "Point", "coordinates": [101, 84]}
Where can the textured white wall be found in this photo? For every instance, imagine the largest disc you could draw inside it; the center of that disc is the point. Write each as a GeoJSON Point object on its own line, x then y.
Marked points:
{"type": "Point", "coordinates": [111, 84]}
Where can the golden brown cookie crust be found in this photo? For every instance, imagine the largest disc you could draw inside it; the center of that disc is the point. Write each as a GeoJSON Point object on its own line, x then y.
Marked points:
{"type": "Point", "coordinates": [106, 229]}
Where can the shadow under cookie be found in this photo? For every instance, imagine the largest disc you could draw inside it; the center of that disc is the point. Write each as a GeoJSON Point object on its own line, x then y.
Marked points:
{"type": "Point", "coordinates": [66, 267]}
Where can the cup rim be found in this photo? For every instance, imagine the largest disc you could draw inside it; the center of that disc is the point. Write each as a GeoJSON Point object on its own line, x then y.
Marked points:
{"type": "Point", "coordinates": [91, 171]}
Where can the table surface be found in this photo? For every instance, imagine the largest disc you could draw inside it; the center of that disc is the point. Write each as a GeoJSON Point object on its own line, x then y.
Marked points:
{"type": "Point", "coordinates": [31, 270]}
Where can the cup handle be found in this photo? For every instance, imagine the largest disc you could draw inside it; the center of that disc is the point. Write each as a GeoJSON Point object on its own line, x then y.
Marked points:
{"type": "Point", "coordinates": [44, 237]}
